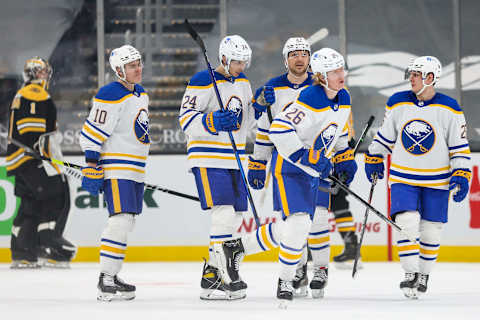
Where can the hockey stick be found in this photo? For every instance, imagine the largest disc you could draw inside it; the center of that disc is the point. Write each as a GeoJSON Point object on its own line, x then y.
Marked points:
{"type": "Point", "coordinates": [38, 156]}
{"type": "Point", "coordinates": [365, 218]}
{"type": "Point", "coordinates": [334, 189]}
{"type": "Point", "coordinates": [318, 36]}
{"type": "Point", "coordinates": [200, 43]}
{"type": "Point", "coordinates": [371, 208]}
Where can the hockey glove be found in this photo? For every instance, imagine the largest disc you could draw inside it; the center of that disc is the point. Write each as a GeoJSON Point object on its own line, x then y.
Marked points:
{"type": "Point", "coordinates": [345, 165]}
{"type": "Point", "coordinates": [92, 180]}
{"type": "Point", "coordinates": [316, 159]}
{"type": "Point", "coordinates": [374, 164]}
{"type": "Point", "coordinates": [256, 173]}
{"type": "Point", "coordinates": [217, 121]}
{"type": "Point", "coordinates": [264, 96]}
{"type": "Point", "coordinates": [460, 178]}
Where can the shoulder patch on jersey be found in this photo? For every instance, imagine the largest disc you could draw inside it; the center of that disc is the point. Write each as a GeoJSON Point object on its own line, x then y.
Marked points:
{"type": "Point", "coordinates": [449, 102]}
{"type": "Point", "coordinates": [399, 97]}
{"type": "Point", "coordinates": [112, 92]}
{"type": "Point", "coordinates": [200, 79]}
{"type": "Point", "coordinates": [34, 92]}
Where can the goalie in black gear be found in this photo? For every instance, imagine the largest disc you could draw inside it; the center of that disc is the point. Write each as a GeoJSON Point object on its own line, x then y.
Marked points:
{"type": "Point", "coordinates": [45, 200]}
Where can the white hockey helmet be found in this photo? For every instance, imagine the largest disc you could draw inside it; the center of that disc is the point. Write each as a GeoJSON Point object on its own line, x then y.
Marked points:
{"type": "Point", "coordinates": [325, 60]}
{"type": "Point", "coordinates": [234, 48]}
{"type": "Point", "coordinates": [425, 65]}
{"type": "Point", "coordinates": [295, 44]}
{"type": "Point", "coordinates": [119, 57]}
{"type": "Point", "coordinates": [32, 67]}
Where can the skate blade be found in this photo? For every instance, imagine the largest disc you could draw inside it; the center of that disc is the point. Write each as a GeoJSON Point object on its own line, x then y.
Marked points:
{"type": "Point", "coordinates": [214, 294]}
{"type": "Point", "coordinates": [410, 293]}
{"type": "Point", "coordinates": [49, 263]}
{"type": "Point", "coordinates": [300, 292]}
{"type": "Point", "coordinates": [23, 264]}
{"type": "Point", "coordinates": [318, 293]}
{"type": "Point", "coordinates": [119, 296]}
{"type": "Point", "coordinates": [348, 265]}
{"type": "Point", "coordinates": [283, 305]}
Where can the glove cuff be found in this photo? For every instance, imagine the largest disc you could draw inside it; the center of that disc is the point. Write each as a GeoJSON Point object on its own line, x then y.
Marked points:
{"type": "Point", "coordinates": [344, 155]}
{"type": "Point", "coordinates": [207, 121]}
{"type": "Point", "coordinates": [92, 156]}
{"type": "Point", "coordinates": [466, 173]}
{"type": "Point", "coordinates": [373, 158]}
{"type": "Point", "coordinates": [256, 164]}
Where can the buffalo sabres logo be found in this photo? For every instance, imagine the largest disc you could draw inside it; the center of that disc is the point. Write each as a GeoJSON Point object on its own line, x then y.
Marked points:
{"type": "Point", "coordinates": [418, 137]}
{"type": "Point", "coordinates": [234, 104]}
{"type": "Point", "coordinates": [326, 136]}
{"type": "Point", "coordinates": [141, 127]}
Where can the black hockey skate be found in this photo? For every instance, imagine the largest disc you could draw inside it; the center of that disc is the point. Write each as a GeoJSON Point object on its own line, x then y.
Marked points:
{"type": "Point", "coordinates": [347, 257]}
{"type": "Point", "coordinates": [113, 288]}
{"type": "Point", "coordinates": [300, 281]}
{"type": "Point", "coordinates": [284, 292]}
{"type": "Point", "coordinates": [319, 282]}
{"type": "Point", "coordinates": [229, 255]}
{"type": "Point", "coordinates": [422, 283]}
{"type": "Point", "coordinates": [213, 288]}
{"type": "Point", "coordinates": [409, 286]}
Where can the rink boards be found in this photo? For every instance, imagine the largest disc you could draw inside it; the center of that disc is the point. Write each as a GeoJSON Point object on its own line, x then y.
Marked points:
{"type": "Point", "coordinates": [176, 229]}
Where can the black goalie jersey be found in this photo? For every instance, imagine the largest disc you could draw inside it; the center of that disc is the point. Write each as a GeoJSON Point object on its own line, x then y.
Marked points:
{"type": "Point", "coordinates": [32, 114]}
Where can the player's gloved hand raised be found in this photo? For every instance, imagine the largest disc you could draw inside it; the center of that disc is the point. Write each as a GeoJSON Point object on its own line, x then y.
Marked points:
{"type": "Point", "coordinates": [264, 96]}
{"type": "Point", "coordinates": [217, 121]}
{"type": "Point", "coordinates": [256, 173]}
{"type": "Point", "coordinates": [92, 180]}
{"type": "Point", "coordinates": [345, 165]}
{"type": "Point", "coordinates": [460, 179]}
{"type": "Point", "coordinates": [374, 164]}
{"type": "Point", "coordinates": [316, 159]}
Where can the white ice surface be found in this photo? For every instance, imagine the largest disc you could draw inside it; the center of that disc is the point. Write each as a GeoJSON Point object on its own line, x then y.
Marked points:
{"type": "Point", "coordinates": [171, 290]}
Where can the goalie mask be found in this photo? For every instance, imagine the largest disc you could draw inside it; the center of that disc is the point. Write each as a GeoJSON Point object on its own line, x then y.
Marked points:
{"type": "Point", "coordinates": [325, 60]}
{"type": "Point", "coordinates": [37, 70]}
{"type": "Point", "coordinates": [425, 65]}
{"type": "Point", "coordinates": [295, 44]}
{"type": "Point", "coordinates": [119, 57]}
{"type": "Point", "coordinates": [234, 48]}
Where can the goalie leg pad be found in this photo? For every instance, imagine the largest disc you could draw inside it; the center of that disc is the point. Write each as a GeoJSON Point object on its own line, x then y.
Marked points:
{"type": "Point", "coordinates": [114, 242]}
{"type": "Point", "coordinates": [430, 235]}
{"type": "Point", "coordinates": [319, 238]}
{"type": "Point", "coordinates": [292, 242]}
{"type": "Point", "coordinates": [408, 251]}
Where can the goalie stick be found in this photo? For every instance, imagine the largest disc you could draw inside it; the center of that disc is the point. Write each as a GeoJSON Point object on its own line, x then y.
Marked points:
{"type": "Point", "coordinates": [365, 218]}
{"type": "Point", "coordinates": [200, 43]}
{"type": "Point", "coordinates": [68, 165]}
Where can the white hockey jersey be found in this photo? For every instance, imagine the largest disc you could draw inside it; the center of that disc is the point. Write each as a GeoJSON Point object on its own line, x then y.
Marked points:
{"type": "Point", "coordinates": [117, 128]}
{"type": "Point", "coordinates": [427, 139]}
{"type": "Point", "coordinates": [312, 121]}
{"type": "Point", "coordinates": [285, 94]}
{"type": "Point", "coordinates": [204, 149]}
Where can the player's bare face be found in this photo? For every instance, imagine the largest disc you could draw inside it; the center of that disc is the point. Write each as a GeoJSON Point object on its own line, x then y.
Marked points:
{"type": "Point", "coordinates": [336, 79]}
{"type": "Point", "coordinates": [298, 62]}
{"type": "Point", "coordinates": [416, 80]}
{"type": "Point", "coordinates": [237, 67]}
{"type": "Point", "coordinates": [133, 71]}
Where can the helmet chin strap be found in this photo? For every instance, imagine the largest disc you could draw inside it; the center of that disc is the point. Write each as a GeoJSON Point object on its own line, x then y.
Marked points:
{"type": "Point", "coordinates": [423, 88]}
{"type": "Point", "coordinates": [325, 85]}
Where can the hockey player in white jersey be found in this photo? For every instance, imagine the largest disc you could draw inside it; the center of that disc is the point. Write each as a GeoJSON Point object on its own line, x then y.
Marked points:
{"type": "Point", "coordinates": [210, 154]}
{"type": "Point", "coordinates": [115, 139]}
{"type": "Point", "coordinates": [305, 136]}
{"type": "Point", "coordinates": [425, 131]}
